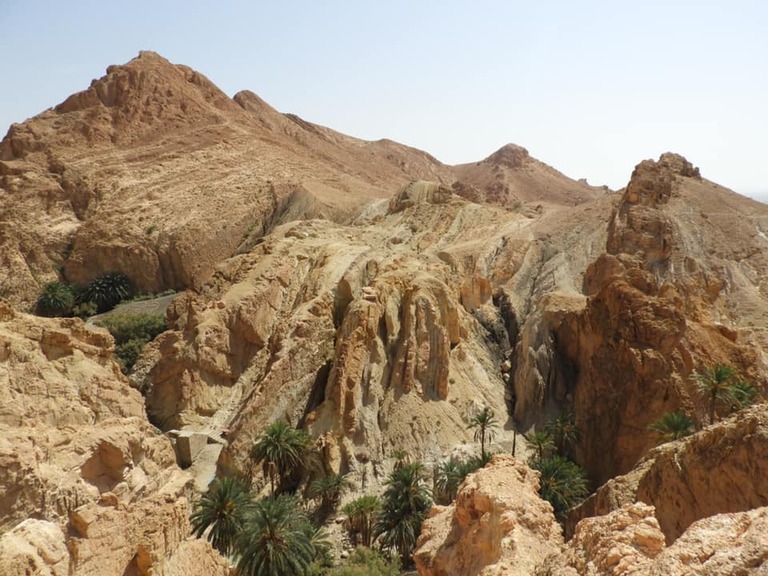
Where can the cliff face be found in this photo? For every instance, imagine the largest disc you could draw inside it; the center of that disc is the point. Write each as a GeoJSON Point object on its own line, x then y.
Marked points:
{"type": "Point", "coordinates": [87, 486]}
{"type": "Point", "coordinates": [660, 304]}
{"type": "Point", "coordinates": [696, 477]}
{"type": "Point", "coordinates": [368, 334]}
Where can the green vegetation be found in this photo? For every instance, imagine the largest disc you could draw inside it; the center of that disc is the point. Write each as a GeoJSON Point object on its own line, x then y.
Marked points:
{"type": "Point", "coordinates": [361, 514]}
{"type": "Point", "coordinates": [720, 385]}
{"type": "Point", "coordinates": [564, 432]}
{"type": "Point", "coordinates": [448, 476]}
{"type": "Point", "coordinates": [220, 513]}
{"type": "Point", "coordinates": [131, 332]}
{"type": "Point", "coordinates": [542, 442]}
{"type": "Point", "coordinates": [56, 299]}
{"type": "Point", "coordinates": [563, 483]}
{"type": "Point", "coordinates": [60, 298]}
{"type": "Point", "coordinates": [280, 450]}
{"type": "Point", "coordinates": [329, 490]}
{"type": "Point", "coordinates": [672, 426]}
{"type": "Point", "coordinates": [366, 562]}
{"type": "Point", "coordinates": [405, 503]}
{"type": "Point", "coordinates": [484, 424]}
{"type": "Point", "coordinates": [277, 539]}
{"type": "Point", "coordinates": [108, 290]}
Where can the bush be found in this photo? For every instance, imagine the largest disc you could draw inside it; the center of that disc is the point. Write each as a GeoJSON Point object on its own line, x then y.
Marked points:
{"type": "Point", "coordinates": [367, 562]}
{"type": "Point", "coordinates": [85, 310]}
{"type": "Point", "coordinates": [131, 332]}
{"type": "Point", "coordinates": [125, 327]}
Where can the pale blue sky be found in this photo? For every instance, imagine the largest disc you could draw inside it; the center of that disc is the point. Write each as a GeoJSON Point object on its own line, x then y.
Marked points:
{"type": "Point", "coordinates": [590, 87]}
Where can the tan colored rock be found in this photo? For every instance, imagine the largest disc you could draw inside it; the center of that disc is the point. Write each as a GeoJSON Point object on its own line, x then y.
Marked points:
{"type": "Point", "coordinates": [497, 525]}
{"type": "Point", "coordinates": [34, 548]}
{"type": "Point", "coordinates": [622, 543]}
{"type": "Point", "coordinates": [78, 456]}
{"type": "Point", "coordinates": [180, 177]}
{"type": "Point", "coordinates": [718, 470]}
{"type": "Point", "coordinates": [628, 541]}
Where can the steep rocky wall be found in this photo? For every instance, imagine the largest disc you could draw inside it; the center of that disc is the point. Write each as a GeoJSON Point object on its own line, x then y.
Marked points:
{"type": "Point", "coordinates": [717, 470]}
{"type": "Point", "coordinates": [87, 486]}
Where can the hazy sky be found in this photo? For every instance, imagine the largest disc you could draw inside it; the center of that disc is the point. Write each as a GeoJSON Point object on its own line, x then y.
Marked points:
{"type": "Point", "coordinates": [589, 87]}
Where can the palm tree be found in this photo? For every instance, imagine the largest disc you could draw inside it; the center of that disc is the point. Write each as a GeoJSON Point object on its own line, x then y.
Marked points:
{"type": "Point", "coordinates": [542, 443]}
{"type": "Point", "coordinates": [564, 431]}
{"type": "Point", "coordinates": [281, 450]}
{"type": "Point", "coordinates": [56, 299]}
{"type": "Point", "coordinates": [672, 426]}
{"type": "Point", "coordinates": [406, 502]}
{"type": "Point", "coordinates": [221, 512]}
{"type": "Point", "coordinates": [277, 539]}
{"type": "Point", "coordinates": [449, 475]}
{"type": "Point", "coordinates": [714, 385]}
{"type": "Point", "coordinates": [484, 423]}
{"type": "Point", "coordinates": [329, 489]}
{"type": "Point", "coordinates": [742, 394]}
{"type": "Point", "coordinates": [563, 483]}
{"type": "Point", "coordinates": [108, 290]}
{"type": "Point", "coordinates": [361, 514]}
{"type": "Point", "coordinates": [447, 478]}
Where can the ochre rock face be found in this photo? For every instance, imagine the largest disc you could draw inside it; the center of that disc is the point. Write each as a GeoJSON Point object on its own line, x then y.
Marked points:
{"type": "Point", "coordinates": [497, 525]}
{"type": "Point", "coordinates": [78, 456]}
{"type": "Point", "coordinates": [628, 541]}
{"type": "Point", "coordinates": [719, 469]}
{"type": "Point", "coordinates": [375, 338]}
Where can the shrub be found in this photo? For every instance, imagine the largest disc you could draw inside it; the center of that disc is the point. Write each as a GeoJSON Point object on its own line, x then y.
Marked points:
{"type": "Point", "coordinates": [131, 332]}
{"type": "Point", "coordinates": [85, 310]}
{"type": "Point", "coordinates": [367, 562]}
{"type": "Point", "coordinates": [126, 327]}
{"type": "Point", "coordinates": [56, 299]}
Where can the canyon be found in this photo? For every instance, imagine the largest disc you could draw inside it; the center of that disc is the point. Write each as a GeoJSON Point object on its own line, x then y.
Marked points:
{"type": "Point", "coordinates": [376, 298]}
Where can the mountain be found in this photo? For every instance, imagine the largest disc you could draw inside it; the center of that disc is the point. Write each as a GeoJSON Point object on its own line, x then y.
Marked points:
{"type": "Point", "coordinates": [377, 299]}
{"type": "Point", "coordinates": [155, 172]}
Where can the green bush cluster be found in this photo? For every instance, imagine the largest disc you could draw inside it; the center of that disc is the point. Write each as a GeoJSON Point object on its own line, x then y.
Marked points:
{"type": "Point", "coordinates": [131, 332]}
{"type": "Point", "coordinates": [60, 298]}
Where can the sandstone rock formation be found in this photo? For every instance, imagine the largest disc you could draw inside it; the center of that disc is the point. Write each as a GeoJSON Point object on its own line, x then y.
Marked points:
{"type": "Point", "coordinates": [497, 525]}
{"type": "Point", "coordinates": [629, 541]}
{"type": "Point", "coordinates": [672, 295]}
{"type": "Point", "coordinates": [367, 334]}
{"type": "Point", "coordinates": [719, 469]}
{"type": "Point", "coordinates": [155, 172]}
{"type": "Point", "coordinates": [87, 486]}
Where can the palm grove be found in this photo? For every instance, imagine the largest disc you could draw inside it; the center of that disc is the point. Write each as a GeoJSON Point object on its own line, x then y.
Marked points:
{"type": "Point", "coordinates": [279, 534]}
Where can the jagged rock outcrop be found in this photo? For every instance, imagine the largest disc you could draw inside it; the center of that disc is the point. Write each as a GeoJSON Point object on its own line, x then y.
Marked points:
{"type": "Point", "coordinates": [656, 311]}
{"type": "Point", "coordinates": [717, 470]}
{"type": "Point", "coordinates": [87, 486]}
{"type": "Point", "coordinates": [367, 342]}
{"type": "Point", "coordinates": [497, 525]}
{"type": "Point", "coordinates": [628, 541]}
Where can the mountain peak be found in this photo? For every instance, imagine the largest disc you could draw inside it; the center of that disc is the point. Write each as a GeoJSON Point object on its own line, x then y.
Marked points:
{"type": "Point", "coordinates": [509, 155]}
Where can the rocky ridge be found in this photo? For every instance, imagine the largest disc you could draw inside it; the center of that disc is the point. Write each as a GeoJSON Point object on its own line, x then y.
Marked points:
{"type": "Point", "coordinates": [333, 288]}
